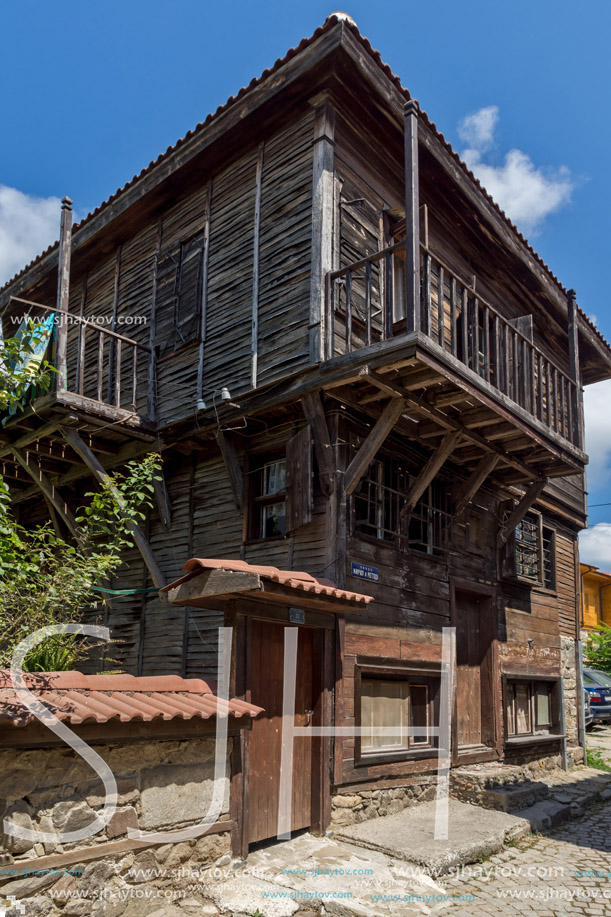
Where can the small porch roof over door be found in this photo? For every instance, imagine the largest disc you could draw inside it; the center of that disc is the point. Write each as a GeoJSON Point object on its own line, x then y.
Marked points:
{"type": "Point", "coordinates": [209, 581]}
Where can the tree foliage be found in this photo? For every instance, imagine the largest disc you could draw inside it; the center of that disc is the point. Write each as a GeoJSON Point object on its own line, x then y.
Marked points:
{"type": "Point", "coordinates": [597, 648]}
{"type": "Point", "coordinates": [45, 579]}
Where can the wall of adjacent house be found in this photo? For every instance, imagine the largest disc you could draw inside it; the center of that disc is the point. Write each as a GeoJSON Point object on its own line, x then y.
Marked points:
{"type": "Point", "coordinates": [162, 786]}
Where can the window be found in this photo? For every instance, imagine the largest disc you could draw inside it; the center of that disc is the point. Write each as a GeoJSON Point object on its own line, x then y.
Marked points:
{"type": "Point", "coordinates": [397, 704]}
{"type": "Point", "coordinates": [268, 509]}
{"type": "Point", "coordinates": [379, 509]}
{"type": "Point", "coordinates": [189, 288]}
{"type": "Point", "coordinates": [530, 708]}
{"type": "Point", "coordinates": [534, 551]}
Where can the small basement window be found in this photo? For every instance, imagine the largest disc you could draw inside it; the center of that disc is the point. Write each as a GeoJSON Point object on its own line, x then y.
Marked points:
{"type": "Point", "coordinates": [398, 705]}
{"type": "Point", "coordinates": [530, 708]}
{"type": "Point", "coordinates": [268, 506]}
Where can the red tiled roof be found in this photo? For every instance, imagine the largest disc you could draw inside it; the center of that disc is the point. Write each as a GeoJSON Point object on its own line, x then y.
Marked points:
{"type": "Point", "coordinates": [76, 698]}
{"type": "Point", "coordinates": [330, 22]}
{"type": "Point", "coordinates": [293, 579]}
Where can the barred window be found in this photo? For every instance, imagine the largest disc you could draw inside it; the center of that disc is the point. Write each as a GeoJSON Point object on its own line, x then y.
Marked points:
{"type": "Point", "coordinates": [380, 509]}
{"type": "Point", "coordinates": [535, 551]}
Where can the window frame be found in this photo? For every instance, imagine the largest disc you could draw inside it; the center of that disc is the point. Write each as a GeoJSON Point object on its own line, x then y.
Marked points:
{"type": "Point", "coordinates": [395, 537]}
{"type": "Point", "coordinates": [537, 732]}
{"type": "Point", "coordinates": [545, 533]}
{"type": "Point", "coordinates": [258, 500]}
{"type": "Point", "coordinates": [429, 675]}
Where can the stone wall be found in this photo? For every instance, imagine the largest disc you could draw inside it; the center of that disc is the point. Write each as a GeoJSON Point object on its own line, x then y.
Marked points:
{"type": "Point", "coordinates": [569, 677]}
{"type": "Point", "coordinates": [361, 805]}
{"type": "Point", "coordinates": [162, 785]}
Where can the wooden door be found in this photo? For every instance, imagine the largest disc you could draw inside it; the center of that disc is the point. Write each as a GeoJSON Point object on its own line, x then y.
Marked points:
{"type": "Point", "coordinates": [469, 658]}
{"type": "Point", "coordinates": [266, 683]}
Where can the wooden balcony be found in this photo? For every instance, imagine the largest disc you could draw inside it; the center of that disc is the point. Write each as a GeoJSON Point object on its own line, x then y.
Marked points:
{"type": "Point", "coordinates": [459, 362]}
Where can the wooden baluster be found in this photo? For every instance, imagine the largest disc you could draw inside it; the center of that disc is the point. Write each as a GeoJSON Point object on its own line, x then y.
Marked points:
{"type": "Point", "coordinates": [531, 379]}
{"type": "Point", "coordinates": [497, 353]}
{"type": "Point", "coordinates": [486, 313]}
{"type": "Point", "coordinates": [569, 410]}
{"type": "Point", "coordinates": [506, 360]}
{"type": "Point", "coordinates": [118, 374]}
{"type": "Point", "coordinates": [556, 425]}
{"type": "Point", "coordinates": [368, 303]}
{"type": "Point", "coordinates": [453, 345]}
{"type": "Point", "coordinates": [388, 290]}
{"type": "Point", "coordinates": [427, 295]}
{"type": "Point", "coordinates": [100, 364]}
{"type": "Point", "coordinates": [515, 343]}
{"type": "Point", "coordinates": [348, 311]}
{"type": "Point", "coordinates": [540, 387]}
{"type": "Point", "coordinates": [465, 326]}
{"type": "Point", "coordinates": [134, 376]}
{"type": "Point", "coordinates": [475, 337]}
{"type": "Point", "coordinates": [81, 359]}
{"type": "Point", "coordinates": [440, 309]}
{"type": "Point", "coordinates": [331, 319]}
{"type": "Point", "coordinates": [548, 400]}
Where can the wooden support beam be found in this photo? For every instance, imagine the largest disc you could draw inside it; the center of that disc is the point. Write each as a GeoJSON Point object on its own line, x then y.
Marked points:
{"type": "Point", "coordinates": [521, 509]}
{"type": "Point", "coordinates": [63, 294]}
{"type": "Point", "coordinates": [321, 335]}
{"type": "Point", "coordinates": [29, 438]}
{"type": "Point", "coordinates": [471, 486]}
{"type": "Point", "coordinates": [234, 469]}
{"type": "Point", "coordinates": [433, 465]}
{"type": "Point", "coordinates": [412, 215]}
{"type": "Point", "coordinates": [162, 498]}
{"type": "Point", "coordinates": [99, 472]}
{"type": "Point", "coordinates": [325, 455]}
{"type": "Point", "coordinates": [254, 347]}
{"type": "Point", "coordinates": [364, 457]}
{"type": "Point", "coordinates": [449, 423]}
{"type": "Point", "coordinates": [50, 493]}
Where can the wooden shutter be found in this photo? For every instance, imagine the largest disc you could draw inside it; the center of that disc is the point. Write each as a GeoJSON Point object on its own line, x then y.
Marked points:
{"type": "Point", "coordinates": [299, 480]}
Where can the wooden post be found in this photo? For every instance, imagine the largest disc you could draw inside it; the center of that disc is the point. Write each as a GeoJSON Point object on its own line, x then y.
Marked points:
{"type": "Point", "coordinates": [49, 492]}
{"type": "Point", "coordinates": [574, 369]}
{"type": "Point", "coordinates": [322, 227]}
{"type": "Point", "coordinates": [412, 216]}
{"type": "Point", "coordinates": [100, 473]}
{"type": "Point", "coordinates": [255, 271]}
{"type": "Point", "coordinates": [63, 292]}
{"type": "Point", "coordinates": [204, 301]}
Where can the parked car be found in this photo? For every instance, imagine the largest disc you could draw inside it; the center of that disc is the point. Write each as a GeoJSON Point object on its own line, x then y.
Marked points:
{"type": "Point", "coordinates": [588, 716]}
{"type": "Point", "coordinates": [598, 686]}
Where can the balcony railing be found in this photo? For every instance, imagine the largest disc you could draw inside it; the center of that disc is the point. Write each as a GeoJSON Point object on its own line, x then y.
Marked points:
{"type": "Point", "coordinates": [102, 365]}
{"type": "Point", "coordinates": [366, 305]}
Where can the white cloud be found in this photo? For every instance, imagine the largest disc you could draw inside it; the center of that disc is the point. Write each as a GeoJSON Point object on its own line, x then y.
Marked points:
{"type": "Point", "coordinates": [526, 193]}
{"type": "Point", "coordinates": [597, 417]}
{"type": "Point", "coordinates": [28, 225]}
{"type": "Point", "coordinates": [595, 546]}
{"type": "Point", "coordinates": [477, 129]}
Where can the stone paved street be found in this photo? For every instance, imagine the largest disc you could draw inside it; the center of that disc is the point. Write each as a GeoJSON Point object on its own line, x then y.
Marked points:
{"type": "Point", "coordinates": [566, 873]}
{"type": "Point", "coordinates": [599, 739]}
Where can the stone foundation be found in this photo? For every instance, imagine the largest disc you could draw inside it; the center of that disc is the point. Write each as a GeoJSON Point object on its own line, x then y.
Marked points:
{"type": "Point", "coordinates": [569, 678]}
{"type": "Point", "coordinates": [361, 805]}
{"type": "Point", "coordinates": [162, 785]}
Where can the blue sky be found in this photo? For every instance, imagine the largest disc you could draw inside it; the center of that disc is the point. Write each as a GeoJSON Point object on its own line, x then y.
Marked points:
{"type": "Point", "coordinates": [93, 91]}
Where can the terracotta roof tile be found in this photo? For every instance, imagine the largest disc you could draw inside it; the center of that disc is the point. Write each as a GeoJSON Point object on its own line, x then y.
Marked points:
{"type": "Point", "coordinates": [293, 579]}
{"type": "Point", "coordinates": [76, 698]}
{"type": "Point", "coordinates": [304, 43]}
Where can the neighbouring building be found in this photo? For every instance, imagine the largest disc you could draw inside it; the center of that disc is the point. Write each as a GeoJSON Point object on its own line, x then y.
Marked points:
{"type": "Point", "coordinates": [595, 598]}
{"type": "Point", "coordinates": [354, 366]}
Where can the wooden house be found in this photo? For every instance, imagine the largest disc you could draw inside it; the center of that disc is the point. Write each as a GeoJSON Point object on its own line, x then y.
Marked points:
{"type": "Point", "coordinates": [595, 599]}
{"type": "Point", "coordinates": [354, 367]}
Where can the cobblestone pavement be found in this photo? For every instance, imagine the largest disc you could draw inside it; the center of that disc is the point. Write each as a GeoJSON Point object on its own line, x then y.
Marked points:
{"type": "Point", "coordinates": [564, 873]}
{"type": "Point", "coordinates": [599, 739]}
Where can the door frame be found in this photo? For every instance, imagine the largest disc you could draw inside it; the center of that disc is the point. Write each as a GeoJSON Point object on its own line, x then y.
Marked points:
{"type": "Point", "coordinates": [240, 615]}
{"type": "Point", "coordinates": [493, 713]}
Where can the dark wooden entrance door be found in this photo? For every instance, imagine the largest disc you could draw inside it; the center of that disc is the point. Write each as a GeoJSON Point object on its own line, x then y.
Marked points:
{"type": "Point", "coordinates": [266, 682]}
{"type": "Point", "coordinates": [473, 618]}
